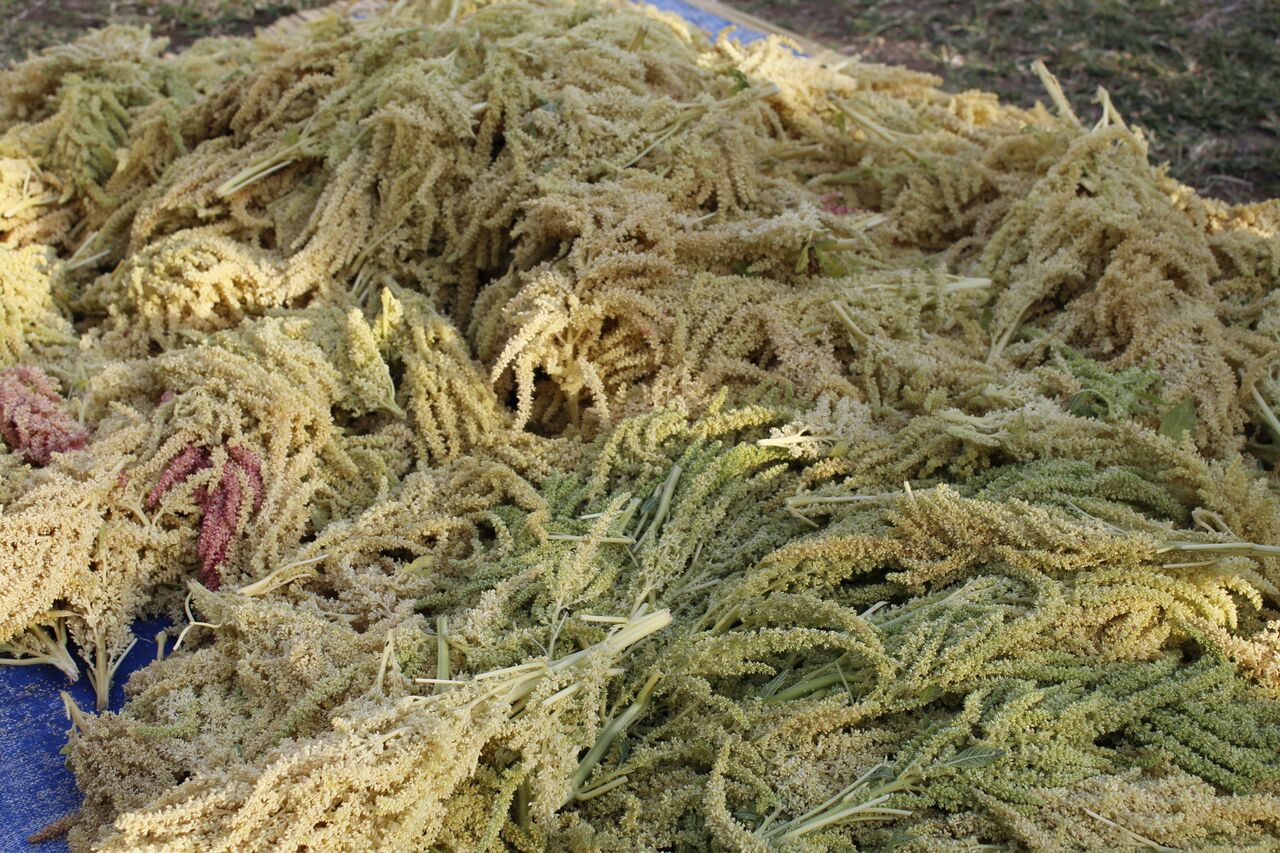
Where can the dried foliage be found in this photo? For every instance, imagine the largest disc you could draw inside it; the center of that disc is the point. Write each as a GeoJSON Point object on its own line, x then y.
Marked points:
{"type": "Point", "coordinates": [552, 430]}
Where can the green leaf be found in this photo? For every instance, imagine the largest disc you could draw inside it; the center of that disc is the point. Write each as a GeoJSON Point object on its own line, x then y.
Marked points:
{"type": "Point", "coordinates": [1089, 403]}
{"type": "Point", "coordinates": [802, 262]}
{"type": "Point", "coordinates": [637, 43]}
{"type": "Point", "coordinates": [1179, 420]}
{"type": "Point", "coordinates": [883, 773]}
{"type": "Point", "coordinates": [828, 264]}
{"type": "Point", "coordinates": [975, 756]}
{"type": "Point", "coordinates": [741, 83]}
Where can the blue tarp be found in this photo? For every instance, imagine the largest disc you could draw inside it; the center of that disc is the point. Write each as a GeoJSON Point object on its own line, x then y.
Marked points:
{"type": "Point", "coordinates": [705, 20]}
{"type": "Point", "coordinates": [38, 788]}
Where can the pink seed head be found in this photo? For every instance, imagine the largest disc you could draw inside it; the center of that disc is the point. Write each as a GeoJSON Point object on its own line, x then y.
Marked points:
{"type": "Point", "coordinates": [188, 461]}
{"type": "Point", "coordinates": [33, 416]}
{"type": "Point", "coordinates": [221, 502]}
{"type": "Point", "coordinates": [218, 527]}
{"type": "Point", "coordinates": [834, 203]}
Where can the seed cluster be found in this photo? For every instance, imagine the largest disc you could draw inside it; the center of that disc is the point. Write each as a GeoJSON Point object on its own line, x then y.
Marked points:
{"type": "Point", "coordinates": [551, 430]}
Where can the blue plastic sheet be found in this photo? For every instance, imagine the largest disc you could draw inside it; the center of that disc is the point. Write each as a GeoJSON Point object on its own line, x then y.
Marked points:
{"type": "Point", "coordinates": [37, 787]}
{"type": "Point", "coordinates": [706, 21]}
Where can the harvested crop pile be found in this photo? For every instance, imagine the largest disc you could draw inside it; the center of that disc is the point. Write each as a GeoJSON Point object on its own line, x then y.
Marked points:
{"type": "Point", "coordinates": [551, 430]}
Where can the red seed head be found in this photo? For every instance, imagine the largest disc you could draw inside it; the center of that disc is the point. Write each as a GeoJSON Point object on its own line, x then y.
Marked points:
{"type": "Point", "coordinates": [188, 461]}
{"type": "Point", "coordinates": [834, 203]}
{"type": "Point", "coordinates": [218, 527]}
{"type": "Point", "coordinates": [221, 502]}
{"type": "Point", "coordinates": [33, 417]}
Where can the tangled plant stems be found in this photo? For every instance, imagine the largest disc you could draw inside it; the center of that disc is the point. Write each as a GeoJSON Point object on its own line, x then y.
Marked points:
{"type": "Point", "coordinates": [549, 430]}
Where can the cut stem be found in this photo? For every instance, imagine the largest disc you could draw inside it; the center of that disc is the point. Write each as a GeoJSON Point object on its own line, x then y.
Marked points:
{"type": "Point", "coordinates": [616, 727]}
{"type": "Point", "coordinates": [442, 651]}
{"type": "Point", "coordinates": [284, 575]}
{"type": "Point", "coordinates": [37, 645]}
{"type": "Point", "coordinates": [102, 669]}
